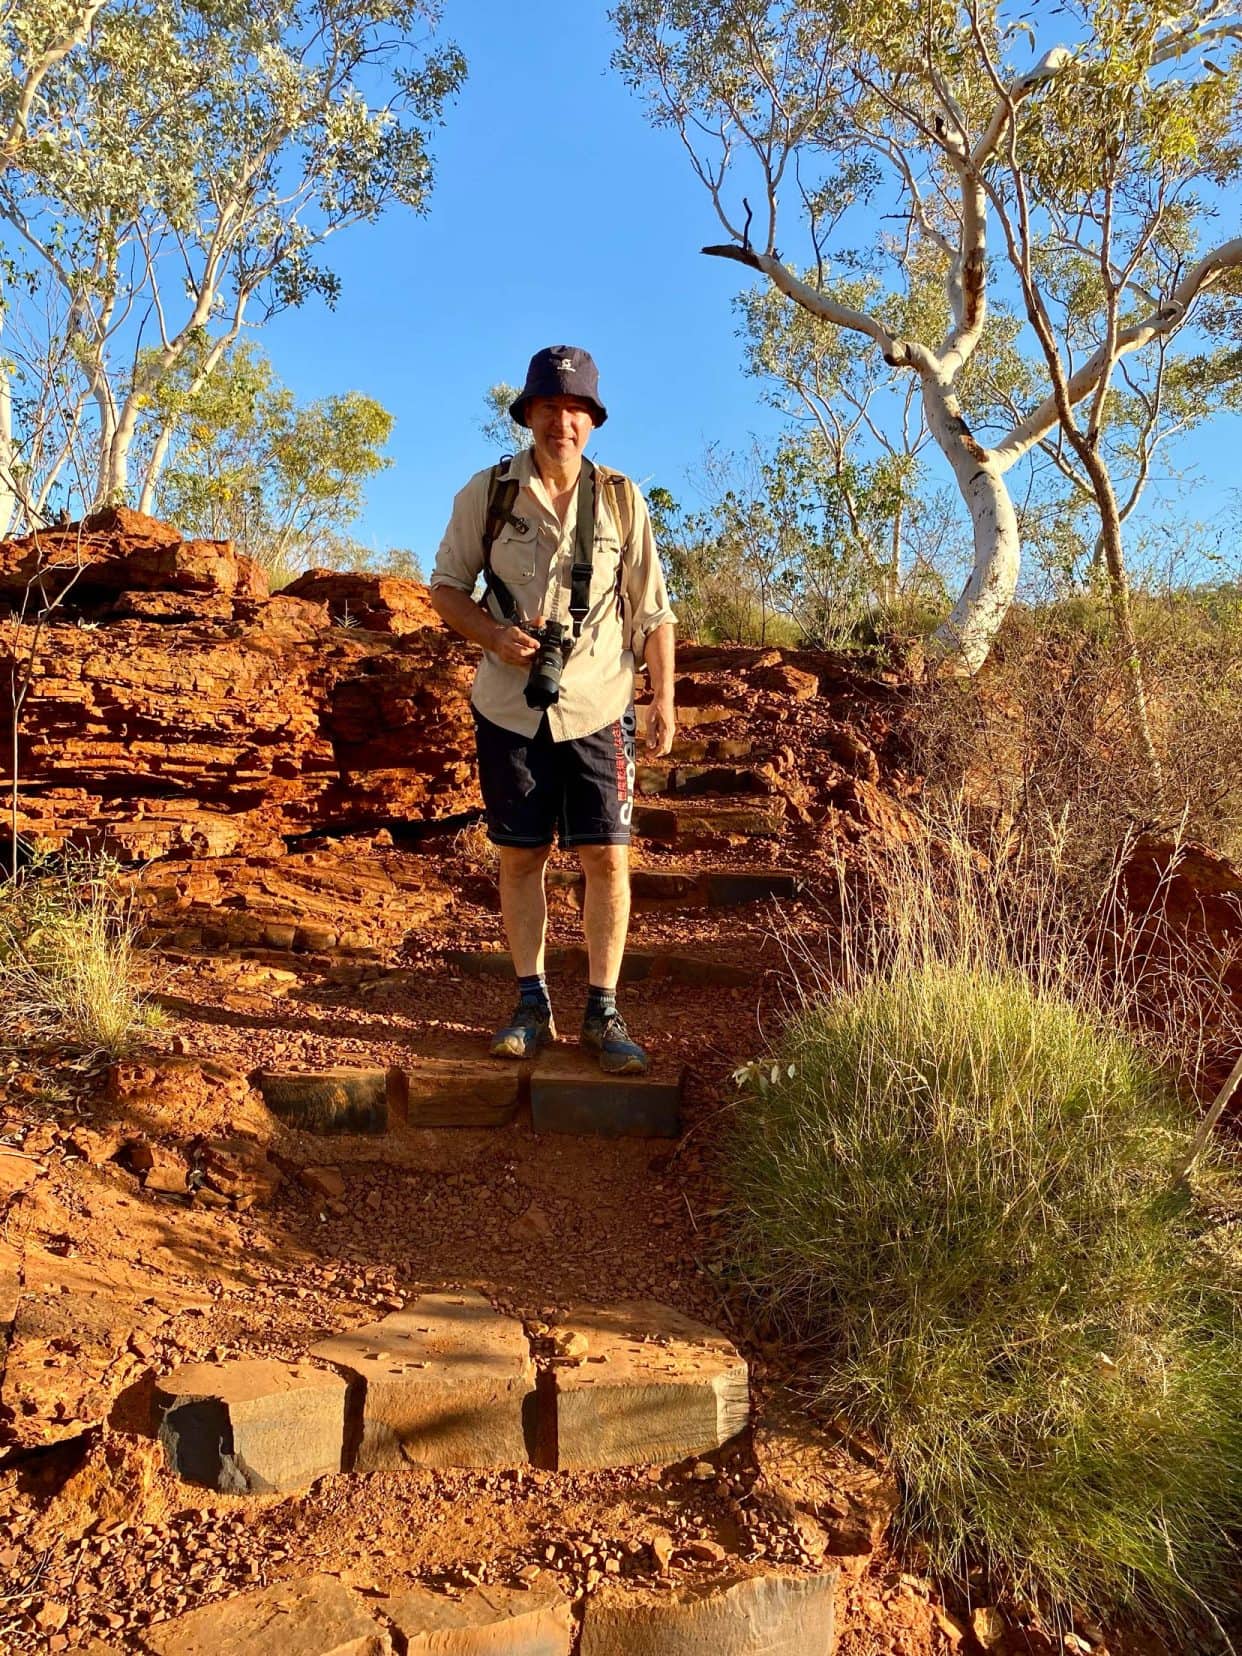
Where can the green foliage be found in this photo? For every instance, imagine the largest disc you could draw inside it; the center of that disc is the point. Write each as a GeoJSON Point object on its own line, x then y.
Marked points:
{"type": "Point", "coordinates": [68, 969]}
{"type": "Point", "coordinates": [192, 157]}
{"type": "Point", "coordinates": [281, 480]}
{"type": "Point", "coordinates": [798, 545]}
{"type": "Point", "coordinates": [926, 177]}
{"type": "Point", "coordinates": [501, 430]}
{"type": "Point", "coordinates": [951, 1193]}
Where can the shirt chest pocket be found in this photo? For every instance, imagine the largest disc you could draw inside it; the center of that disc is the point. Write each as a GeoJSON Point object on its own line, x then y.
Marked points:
{"type": "Point", "coordinates": [605, 576]}
{"type": "Point", "coordinates": [513, 553]}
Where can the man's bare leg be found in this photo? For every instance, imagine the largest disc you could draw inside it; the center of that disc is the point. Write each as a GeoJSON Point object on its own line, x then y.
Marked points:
{"type": "Point", "coordinates": [524, 909]}
{"type": "Point", "coordinates": [606, 922]}
{"type": "Point", "coordinates": [605, 909]}
{"type": "Point", "coordinates": [524, 904]}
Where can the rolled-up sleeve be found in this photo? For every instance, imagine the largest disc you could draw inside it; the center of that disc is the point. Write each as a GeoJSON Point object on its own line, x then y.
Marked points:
{"type": "Point", "coordinates": [645, 588]}
{"type": "Point", "coordinates": [460, 558]}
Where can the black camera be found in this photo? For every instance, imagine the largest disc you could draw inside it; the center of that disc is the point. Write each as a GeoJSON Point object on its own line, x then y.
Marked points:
{"type": "Point", "coordinates": [543, 687]}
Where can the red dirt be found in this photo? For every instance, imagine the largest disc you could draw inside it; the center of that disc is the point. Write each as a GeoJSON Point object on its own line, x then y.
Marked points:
{"type": "Point", "coordinates": [215, 741]}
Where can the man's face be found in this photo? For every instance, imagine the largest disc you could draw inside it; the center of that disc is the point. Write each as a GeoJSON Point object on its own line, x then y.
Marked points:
{"type": "Point", "coordinates": [561, 427]}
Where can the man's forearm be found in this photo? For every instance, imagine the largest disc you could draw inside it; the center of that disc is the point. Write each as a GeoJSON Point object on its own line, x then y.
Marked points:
{"type": "Point", "coordinates": [459, 610]}
{"type": "Point", "coordinates": [658, 656]}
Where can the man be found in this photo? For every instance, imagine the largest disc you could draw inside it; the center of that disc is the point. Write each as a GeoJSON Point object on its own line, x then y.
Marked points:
{"type": "Point", "coordinates": [567, 766]}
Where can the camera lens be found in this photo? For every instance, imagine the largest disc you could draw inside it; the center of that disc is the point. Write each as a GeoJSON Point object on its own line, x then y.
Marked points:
{"type": "Point", "coordinates": [543, 687]}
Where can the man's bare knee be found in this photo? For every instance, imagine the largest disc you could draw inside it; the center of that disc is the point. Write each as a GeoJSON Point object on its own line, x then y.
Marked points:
{"type": "Point", "coordinates": [604, 859]}
{"type": "Point", "coordinates": [521, 862]}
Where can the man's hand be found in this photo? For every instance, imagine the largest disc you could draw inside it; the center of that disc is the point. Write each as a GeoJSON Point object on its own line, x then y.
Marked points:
{"type": "Point", "coordinates": [513, 645]}
{"type": "Point", "coordinates": [661, 726]}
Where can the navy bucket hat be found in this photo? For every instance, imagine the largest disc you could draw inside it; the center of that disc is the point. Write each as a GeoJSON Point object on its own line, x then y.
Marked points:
{"type": "Point", "coordinates": [561, 371]}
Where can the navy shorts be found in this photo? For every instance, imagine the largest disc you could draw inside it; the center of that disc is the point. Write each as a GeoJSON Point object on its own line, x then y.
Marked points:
{"type": "Point", "coordinates": [581, 790]}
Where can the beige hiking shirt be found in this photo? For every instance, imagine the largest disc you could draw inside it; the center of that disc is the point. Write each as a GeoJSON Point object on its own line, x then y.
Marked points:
{"type": "Point", "coordinates": [598, 681]}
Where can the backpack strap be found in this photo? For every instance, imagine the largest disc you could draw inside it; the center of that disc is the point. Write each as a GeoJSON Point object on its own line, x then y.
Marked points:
{"type": "Point", "coordinates": [502, 492]}
{"type": "Point", "coordinates": [622, 499]}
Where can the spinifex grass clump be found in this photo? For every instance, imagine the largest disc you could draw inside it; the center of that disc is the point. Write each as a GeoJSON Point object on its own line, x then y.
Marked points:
{"type": "Point", "coordinates": [68, 971]}
{"type": "Point", "coordinates": [959, 1206]}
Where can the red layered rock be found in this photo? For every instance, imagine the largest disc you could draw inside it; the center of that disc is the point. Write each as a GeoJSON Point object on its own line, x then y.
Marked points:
{"type": "Point", "coordinates": [375, 603]}
{"type": "Point", "coordinates": [307, 901]}
{"type": "Point", "coordinates": [116, 550]}
{"type": "Point", "coordinates": [173, 707]}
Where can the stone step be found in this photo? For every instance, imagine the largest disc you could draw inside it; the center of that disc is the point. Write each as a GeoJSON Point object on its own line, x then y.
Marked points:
{"type": "Point", "coordinates": [693, 780]}
{"type": "Point", "coordinates": [321, 1616]}
{"type": "Point", "coordinates": [637, 966]}
{"type": "Point", "coordinates": [335, 1100]}
{"type": "Point", "coordinates": [708, 824]}
{"type": "Point", "coordinates": [688, 718]}
{"type": "Point", "coordinates": [461, 1092]}
{"type": "Point", "coordinates": [570, 1094]}
{"type": "Point", "coordinates": [488, 1621]}
{"type": "Point", "coordinates": [446, 1381]}
{"type": "Point", "coordinates": [758, 1615]}
{"type": "Point", "coordinates": [251, 1425]}
{"type": "Point", "coordinates": [722, 749]}
{"type": "Point", "coordinates": [647, 1387]}
{"type": "Point", "coordinates": [315, 1616]}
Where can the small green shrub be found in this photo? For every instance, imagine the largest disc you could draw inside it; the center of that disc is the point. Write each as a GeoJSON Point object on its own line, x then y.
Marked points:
{"type": "Point", "coordinates": [68, 969]}
{"type": "Point", "coordinates": [958, 1208]}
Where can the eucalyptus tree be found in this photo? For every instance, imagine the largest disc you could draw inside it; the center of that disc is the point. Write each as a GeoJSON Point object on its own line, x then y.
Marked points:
{"type": "Point", "coordinates": [500, 429]}
{"type": "Point", "coordinates": [1096, 141]}
{"type": "Point", "coordinates": [194, 158]}
{"type": "Point", "coordinates": [36, 40]}
{"type": "Point", "coordinates": [283, 480]}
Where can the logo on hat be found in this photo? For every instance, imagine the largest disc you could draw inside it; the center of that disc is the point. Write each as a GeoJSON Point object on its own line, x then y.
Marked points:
{"type": "Point", "coordinates": [566, 365]}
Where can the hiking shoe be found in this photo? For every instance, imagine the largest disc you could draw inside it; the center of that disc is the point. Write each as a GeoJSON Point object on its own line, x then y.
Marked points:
{"type": "Point", "coordinates": [529, 1027]}
{"type": "Point", "coordinates": [619, 1054]}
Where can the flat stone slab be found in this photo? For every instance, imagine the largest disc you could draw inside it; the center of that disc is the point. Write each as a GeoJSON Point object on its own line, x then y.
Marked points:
{"type": "Point", "coordinates": [335, 1100]}
{"type": "Point", "coordinates": [727, 889]}
{"type": "Point", "coordinates": [489, 1621]}
{"type": "Point", "coordinates": [691, 825]}
{"type": "Point", "coordinates": [687, 717]}
{"type": "Point", "coordinates": [655, 1387]}
{"type": "Point", "coordinates": [716, 779]}
{"type": "Point", "coordinates": [767, 1615]}
{"type": "Point", "coordinates": [569, 1093]}
{"type": "Point", "coordinates": [251, 1425]}
{"type": "Point", "coordinates": [447, 1381]}
{"type": "Point", "coordinates": [454, 1092]}
{"type": "Point", "coordinates": [317, 1616]}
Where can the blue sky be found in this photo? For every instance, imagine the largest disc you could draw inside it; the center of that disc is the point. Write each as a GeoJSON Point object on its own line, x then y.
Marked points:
{"type": "Point", "coordinates": [559, 216]}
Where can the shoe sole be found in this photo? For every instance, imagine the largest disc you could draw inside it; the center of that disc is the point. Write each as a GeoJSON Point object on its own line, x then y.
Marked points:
{"type": "Point", "coordinates": [626, 1066]}
{"type": "Point", "coordinates": [505, 1049]}
{"type": "Point", "coordinates": [616, 1066]}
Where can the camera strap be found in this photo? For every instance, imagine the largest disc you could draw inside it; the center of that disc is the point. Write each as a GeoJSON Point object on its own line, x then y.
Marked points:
{"type": "Point", "coordinates": [502, 494]}
{"type": "Point", "coordinates": [584, 549]}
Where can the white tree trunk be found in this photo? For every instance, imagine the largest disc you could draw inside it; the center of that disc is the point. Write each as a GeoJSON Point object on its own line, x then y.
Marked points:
{"type": "Point", "coordinates": [968, 634]}
{"type": "Point", "coordinates": [8, 454]}
{"type": "Point", "coordinates": [159, 453]}
{"type": "Point", "coordinates": [114, 479]}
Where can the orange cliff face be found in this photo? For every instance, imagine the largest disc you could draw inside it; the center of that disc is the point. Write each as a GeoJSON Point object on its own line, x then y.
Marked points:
{"type": "Point", "coordinates": [174, 706]}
